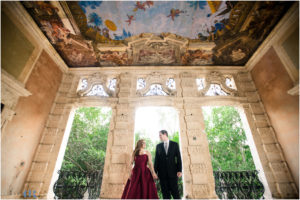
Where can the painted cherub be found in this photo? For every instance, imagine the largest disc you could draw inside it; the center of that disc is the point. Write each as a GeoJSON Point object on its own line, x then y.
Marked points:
{"type": "Point", "coordinates": [174, 13]}
{"type": "Point", "coordinates": [130, 18]}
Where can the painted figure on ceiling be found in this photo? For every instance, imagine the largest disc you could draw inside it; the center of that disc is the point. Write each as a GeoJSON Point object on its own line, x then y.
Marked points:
{"type": "Point", "coordinates": [174, 13]}
{"type": "Point", "coordinates": [105, 33]}
{"type": "Point", "coordinates": [139, 5]}
{"type": "Point", "coordinates": [130, 18]}
{"type": "Point", "coordinates": [216, 31]}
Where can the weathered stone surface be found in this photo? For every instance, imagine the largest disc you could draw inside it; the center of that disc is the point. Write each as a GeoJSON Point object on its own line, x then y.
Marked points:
{"type": "Point", "coordinates": [200, 191]}
{"type": "Point", "coordinates": [117, 168]}
{"type": "Point", "coordinates": [113, 191]}
{"type": "Point", "coordinates": [45, 148]}
{"type": "Point", "coordinates": [34, 186]}
{"type": "Point", "coordinates": [199, 168]}
{"type": "Point", "coordinates": [267, 135]}
{"type": "Point", "coordinates": [256, 108]}
{"type": "Point", "coordinates": [252, 97]}
{"type": "Point", "coordinates": [118, 158]}
{"type": "Point", "coordinates": [39, 166]}
{"type": "Point", "coordinates": [200, 178]}
{"type": "Point", "coordinates": [287, 190]}
{"type": "Point", "coordinates": [36, 176]}
{"type": "Point", "coordinates": [195, 159]}
{"type": "Point", "coordinates": [243, 77]}
{"type": "Point", "coordinates": [247, 86]}
{"type": "Point", "coordinates": [194, 125]}
{"type": "Point", "coordinates": [118, 149]}
{"type": "Point", "coordinates": [42, 157]}
{"type": "Point", "coordinates": [195, 140]}
{"type": "Point", "coordinates": [122, 139]}
{"type": "Point", "coordinates": [116, 178]}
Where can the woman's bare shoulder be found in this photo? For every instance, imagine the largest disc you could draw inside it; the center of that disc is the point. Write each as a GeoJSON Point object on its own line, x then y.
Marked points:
{"type": "Point", "coordinates": [147, 152]}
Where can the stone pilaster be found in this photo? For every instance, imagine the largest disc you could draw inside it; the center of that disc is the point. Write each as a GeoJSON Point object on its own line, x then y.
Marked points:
{"type": "Point", "coordinates": [270, 153]}
{"type": "Point", "coordinates": [43, 165]}
{"type": "Point", "coordinates": [198, 172]}
{"type": "Point", "coordinates": [120, 143]}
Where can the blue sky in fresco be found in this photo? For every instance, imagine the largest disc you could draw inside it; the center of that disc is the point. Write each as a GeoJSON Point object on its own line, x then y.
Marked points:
{"type": "Point", "coordinates": [193, 18]}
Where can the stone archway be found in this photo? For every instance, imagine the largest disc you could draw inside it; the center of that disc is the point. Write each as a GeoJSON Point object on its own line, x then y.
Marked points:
{"type": "Point", "coordinates": [186, 98]}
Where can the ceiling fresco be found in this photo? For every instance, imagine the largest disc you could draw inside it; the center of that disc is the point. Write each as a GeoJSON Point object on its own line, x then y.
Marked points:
{"type": "Point", "coordinates": [157, 33]}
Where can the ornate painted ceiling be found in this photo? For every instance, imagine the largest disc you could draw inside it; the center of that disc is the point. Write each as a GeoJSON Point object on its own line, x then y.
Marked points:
{"type": "Point", "coordinates": [156, 33]}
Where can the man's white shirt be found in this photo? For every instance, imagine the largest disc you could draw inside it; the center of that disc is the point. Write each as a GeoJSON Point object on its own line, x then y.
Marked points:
{"type": "Point", "coordinates": [166, 147]}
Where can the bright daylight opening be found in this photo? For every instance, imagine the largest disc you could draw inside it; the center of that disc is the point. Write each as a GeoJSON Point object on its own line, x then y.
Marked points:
{"type": "Point", "coordinates": [236, 166]}
{"type": "Point", "coordinates": [81, 158]}
{"type": "Point", "coordinates": [148, 122]}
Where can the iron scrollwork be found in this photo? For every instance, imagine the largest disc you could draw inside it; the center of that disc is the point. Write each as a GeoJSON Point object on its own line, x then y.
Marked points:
{"type": "Point", "coordinates": [74, 184]}
{"type": "Point", "coordinates": [238, 185]}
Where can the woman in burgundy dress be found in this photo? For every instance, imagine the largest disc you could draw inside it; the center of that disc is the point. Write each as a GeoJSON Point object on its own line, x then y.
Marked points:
{"type": "Point", "coordinates": [140, 184]}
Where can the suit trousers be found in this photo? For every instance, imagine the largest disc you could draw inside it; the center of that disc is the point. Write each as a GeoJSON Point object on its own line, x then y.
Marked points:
{"type": "Point", "coordinates": [169, 186]}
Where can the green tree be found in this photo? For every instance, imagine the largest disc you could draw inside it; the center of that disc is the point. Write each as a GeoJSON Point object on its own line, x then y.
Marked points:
{"type": "Point", "coordinates": [85, 152]}
{"type": "Point", "coordinates": [86, 146]}
{"type": "Point", "coordinates": [227, 140]}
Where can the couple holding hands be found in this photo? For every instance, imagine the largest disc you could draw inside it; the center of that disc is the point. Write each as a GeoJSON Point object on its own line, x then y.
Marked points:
{"type": "Point", "coordinates": [167, 168]}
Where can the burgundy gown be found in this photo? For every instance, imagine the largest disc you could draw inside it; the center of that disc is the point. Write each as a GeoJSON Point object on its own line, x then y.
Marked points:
{"type": "Point", "coordinates": [141, 185]}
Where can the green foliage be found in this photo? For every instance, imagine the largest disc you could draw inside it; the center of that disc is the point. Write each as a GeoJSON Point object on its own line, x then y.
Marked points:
{"type": "Point", "coordinates": [87, 142]}
{"type": "Point", "coordinates": [85, 152]}
{"type": "Point", "coordinates": [227, 140]}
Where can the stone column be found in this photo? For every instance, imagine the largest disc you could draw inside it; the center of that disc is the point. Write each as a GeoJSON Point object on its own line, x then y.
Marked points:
{"type": "Point", "coordinates": [45, 158]}
{"type": "Point", "coordinates": [198, 172]}
{"type": "Point", "coordinates": [120, 143]}
{"type": "Point", "coordinates": [270, 153]}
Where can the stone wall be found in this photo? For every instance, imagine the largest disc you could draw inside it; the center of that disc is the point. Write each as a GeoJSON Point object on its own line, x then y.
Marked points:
{"type": "Point", "coordinates": [197, 169]}
{"type": "Point", "coordinates": [273, 82]}
{"type": "Point", "coordinates": [21, 135]}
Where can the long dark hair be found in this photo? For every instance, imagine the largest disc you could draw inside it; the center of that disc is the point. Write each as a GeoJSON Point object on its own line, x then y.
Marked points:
{"type": "Point", "coordinates": [138, 147]}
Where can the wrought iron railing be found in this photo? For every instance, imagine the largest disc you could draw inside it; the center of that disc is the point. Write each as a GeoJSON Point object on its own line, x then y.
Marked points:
{"type": "Point", "coordinates": [238, 185]}
{"type": "Point", "coordinates": [75, 184]}
{"type": "Point", "coordinates": [228, 185]}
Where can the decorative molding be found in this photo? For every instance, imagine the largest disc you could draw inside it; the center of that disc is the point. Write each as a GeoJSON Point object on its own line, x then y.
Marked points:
{"type": "Point", "coordinates": [96, 79]}
{"type": "Point", "coordinates": [275, 37]}
{"type": "Point", "coordinates": [216, 77]}
{"type": "Point", "coordinates": [159, 79]}
{"type": "Point", "coordinates": [11, 90]}
{"type": "Point", "coordinates": [176, 69]}
{"type": "Point", "coordinates": [70, 24]}
{"type": "Point", "coordinates": [17, 10]}
{"type": "Point", "coordinates": [30, 64]}
{"type": "Point", "coordinates": [13, 85]}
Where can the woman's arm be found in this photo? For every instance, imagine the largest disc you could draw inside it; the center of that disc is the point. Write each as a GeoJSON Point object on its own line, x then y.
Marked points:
{"type": "Point", "coordinates": [150, 164]}
{"type": "Point", "coordinates": [131, 165]}
{"type": "Point", "coordinates": [156, 160]}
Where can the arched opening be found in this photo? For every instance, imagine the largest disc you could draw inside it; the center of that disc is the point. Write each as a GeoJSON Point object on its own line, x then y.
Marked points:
{"type": "Point", "coordinates": [148, 122]}
{"type": "Point", "coordinates": [237, 168]}
{"type": "Point", "coordinates": [79, 167]}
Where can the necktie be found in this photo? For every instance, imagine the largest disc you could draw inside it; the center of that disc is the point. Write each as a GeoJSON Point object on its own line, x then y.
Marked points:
{"type": "Point", "coordinates": [166, 147]}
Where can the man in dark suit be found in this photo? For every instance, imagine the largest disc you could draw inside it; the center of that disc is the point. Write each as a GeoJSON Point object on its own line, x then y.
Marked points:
{"type": "Point", "coordinates": [167, 165]}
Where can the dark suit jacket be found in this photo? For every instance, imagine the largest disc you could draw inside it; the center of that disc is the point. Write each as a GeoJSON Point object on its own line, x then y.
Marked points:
{"type": "Point", "coordinates": [167, 165]}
